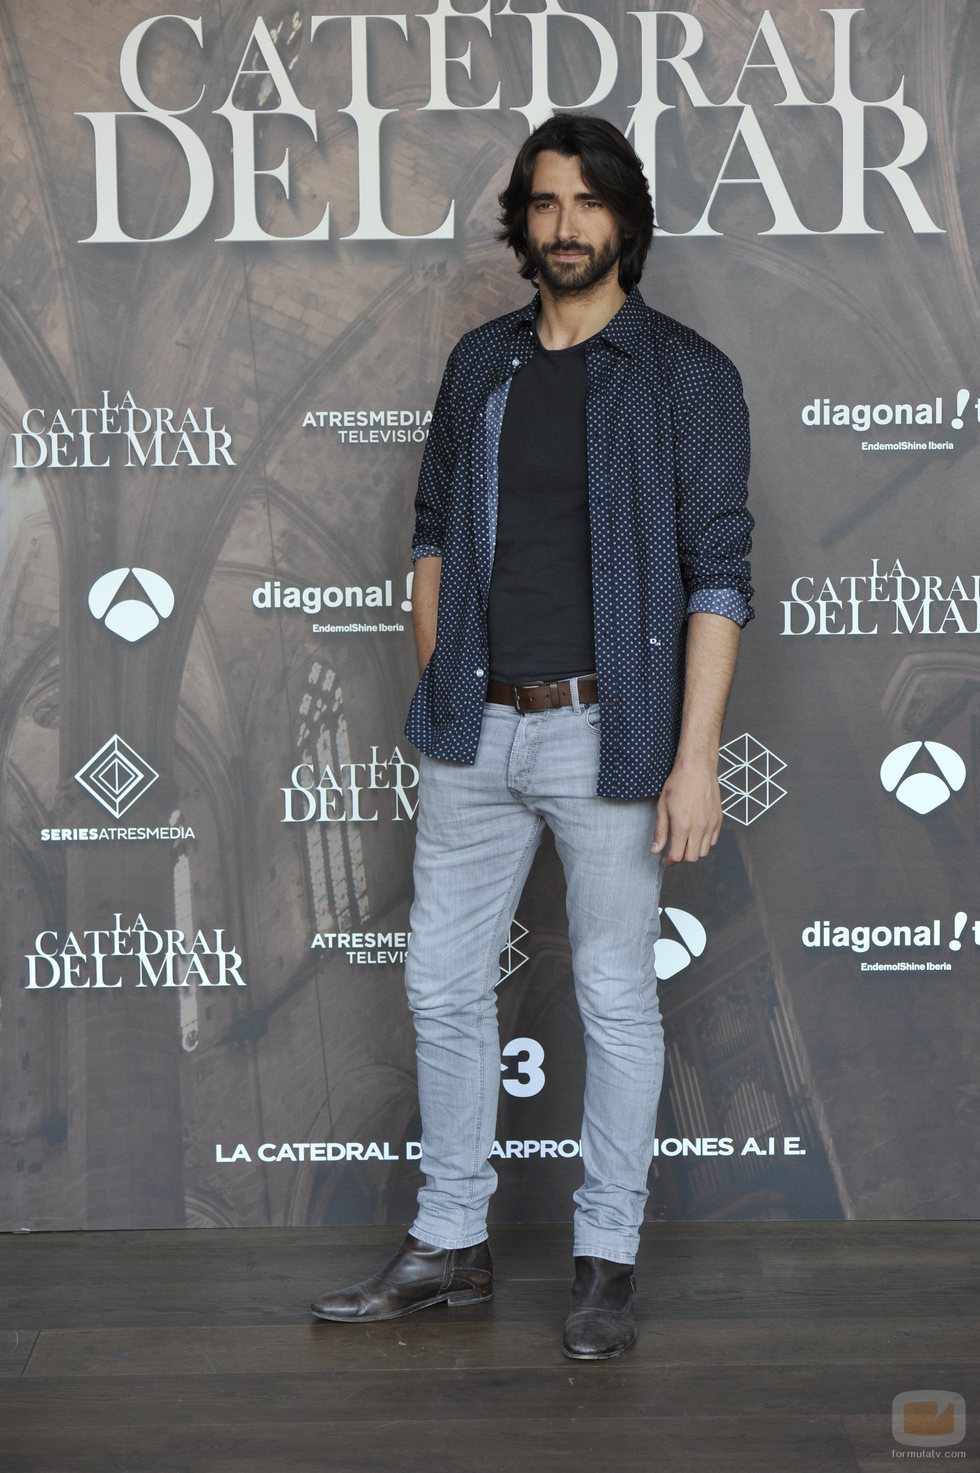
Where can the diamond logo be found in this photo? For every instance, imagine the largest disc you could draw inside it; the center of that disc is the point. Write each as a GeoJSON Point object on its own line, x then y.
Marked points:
{"type": "Point", "coordinates": [116, 776]}
{"type": "Point", "coordinates": [923, 791]}
{"type": "Point", "coordinates": [747, 778]}
{"type": "Point", "coordinates": [131, 618]}
{"type": "Point", "coordinates": [512, 957]}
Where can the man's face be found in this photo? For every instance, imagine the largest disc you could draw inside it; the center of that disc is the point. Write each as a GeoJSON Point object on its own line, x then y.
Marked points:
{"type": "Point", "coordinates": [573, 240]}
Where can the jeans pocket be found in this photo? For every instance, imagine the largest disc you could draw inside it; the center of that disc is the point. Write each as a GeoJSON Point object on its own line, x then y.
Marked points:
{"type": "Point", "coordinates": [592, 714]}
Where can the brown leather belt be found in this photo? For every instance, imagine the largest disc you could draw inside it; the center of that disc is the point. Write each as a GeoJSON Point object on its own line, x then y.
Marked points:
{"type": "Point", "coordinates": [543, 695]}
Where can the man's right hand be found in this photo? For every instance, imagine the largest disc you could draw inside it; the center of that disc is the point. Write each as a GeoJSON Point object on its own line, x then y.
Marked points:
{"type": "Point", "coordinates": [425, 606]}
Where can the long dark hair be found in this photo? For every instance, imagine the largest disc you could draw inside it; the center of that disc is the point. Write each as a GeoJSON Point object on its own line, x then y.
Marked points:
{"type": "Point", "coordinates": [610, 168]}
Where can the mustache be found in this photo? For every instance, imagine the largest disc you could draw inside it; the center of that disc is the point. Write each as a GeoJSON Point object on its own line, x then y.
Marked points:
{"type": "Point", "coordinates": [569, 245]}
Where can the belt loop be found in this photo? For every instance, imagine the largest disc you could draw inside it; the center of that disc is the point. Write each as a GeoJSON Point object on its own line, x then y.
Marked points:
{"type": "Point", "coordinates": [573, 688]}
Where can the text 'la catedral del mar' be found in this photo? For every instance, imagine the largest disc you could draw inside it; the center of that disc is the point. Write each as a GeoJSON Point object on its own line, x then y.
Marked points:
{"type": "Point", "coordinates": [772, 136]}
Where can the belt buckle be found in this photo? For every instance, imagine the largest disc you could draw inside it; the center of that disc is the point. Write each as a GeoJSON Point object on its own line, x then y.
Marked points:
{"type": "Point", "coordinates": [517, 689]}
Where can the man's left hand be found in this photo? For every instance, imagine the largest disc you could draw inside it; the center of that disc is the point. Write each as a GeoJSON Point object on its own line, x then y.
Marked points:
{"type": "Point", "coordinates": [688, 813]}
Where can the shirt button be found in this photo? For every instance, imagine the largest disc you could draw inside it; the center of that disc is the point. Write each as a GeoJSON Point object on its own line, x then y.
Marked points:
{"type": "Point", "coordinates": [480, 671]}
{"type": "Point", "coordinates": [515, 363]}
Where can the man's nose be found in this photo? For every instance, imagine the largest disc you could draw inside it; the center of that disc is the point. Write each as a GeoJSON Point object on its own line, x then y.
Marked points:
{"type": "Point", "coordinates": [566, 227]}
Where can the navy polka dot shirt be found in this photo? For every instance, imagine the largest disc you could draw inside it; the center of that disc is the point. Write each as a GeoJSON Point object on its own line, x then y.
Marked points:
{"type": "Point", "coordinates": [667, 435]}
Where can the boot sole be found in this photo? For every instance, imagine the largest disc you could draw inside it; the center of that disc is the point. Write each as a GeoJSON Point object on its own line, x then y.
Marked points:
{"type": "Point", "coordinates": [597, 1354]}
{"type": "Point", "coordinates": [456, 1300]}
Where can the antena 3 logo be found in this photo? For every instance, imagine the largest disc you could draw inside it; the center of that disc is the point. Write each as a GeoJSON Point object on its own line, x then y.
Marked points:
{"type": "Point", "coordinates": [667, 49]}
{"type": "Point", "coordinates": [131, 618]}
{"type": "Point", "coordinates": [679, 942]}
{"type": "Point", "coordinates": [927, 789]}
{"type": "Point", "coordinates": [85, 437]}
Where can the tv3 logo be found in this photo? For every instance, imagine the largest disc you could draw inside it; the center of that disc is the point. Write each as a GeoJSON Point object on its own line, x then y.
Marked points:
{"type": "Point", "coordinates": [521, 1067]}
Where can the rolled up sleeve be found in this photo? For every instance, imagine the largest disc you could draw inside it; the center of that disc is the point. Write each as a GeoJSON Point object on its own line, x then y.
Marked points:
{"type": "Point", "coordinates": [435, 474]}
{"type": "Point", "coordinates": [714, 524]}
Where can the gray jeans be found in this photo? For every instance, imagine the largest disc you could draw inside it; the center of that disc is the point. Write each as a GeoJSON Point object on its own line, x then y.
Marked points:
{"type": "Point", "coordinates": [478, 829]}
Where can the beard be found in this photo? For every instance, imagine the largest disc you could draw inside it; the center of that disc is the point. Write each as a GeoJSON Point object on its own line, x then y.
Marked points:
{"type": "Point", "coordinates": [566, 278]}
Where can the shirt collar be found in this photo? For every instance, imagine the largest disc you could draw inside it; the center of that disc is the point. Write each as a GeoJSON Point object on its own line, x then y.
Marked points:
{"type": "Point", "coordinates": [621, 330]}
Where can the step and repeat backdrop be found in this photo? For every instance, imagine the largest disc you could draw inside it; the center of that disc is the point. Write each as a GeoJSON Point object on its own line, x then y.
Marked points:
{"type": "Point", "coordinates": [239, 241]}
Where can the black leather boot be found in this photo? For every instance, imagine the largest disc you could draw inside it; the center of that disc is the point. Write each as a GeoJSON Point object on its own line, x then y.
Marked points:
{"type": "Point", "coordinates": [600, 1321]}
{"type": "Point", "coordinates": [418, 1275]}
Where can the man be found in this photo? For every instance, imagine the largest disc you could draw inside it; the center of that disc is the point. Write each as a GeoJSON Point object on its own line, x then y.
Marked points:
{"type": "Point", "coordinates": [580, 587]}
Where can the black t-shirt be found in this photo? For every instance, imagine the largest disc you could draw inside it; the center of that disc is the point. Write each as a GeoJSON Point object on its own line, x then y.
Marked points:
{"type": "Point", "coordinates": [539, 613]}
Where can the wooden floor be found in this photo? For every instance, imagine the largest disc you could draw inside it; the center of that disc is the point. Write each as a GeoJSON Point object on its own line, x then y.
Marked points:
{"type": "Point", "coordinates": [763, 1347]}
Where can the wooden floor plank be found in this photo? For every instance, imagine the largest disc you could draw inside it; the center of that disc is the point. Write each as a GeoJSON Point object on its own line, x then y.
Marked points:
{"type": "Point", "coordinates": [799, 1296]}
{"type": "Point", "coordinates": [459, 1340]}
{"type": "Point", "coordinates": [701, 1444]}
{"type": "Point", "coordinates": [35, 1261]}
{"type": "Point", "coordinates": [238, 1277]}
{"type": "Point", "coordinates": [789, 1256]}
{"type": "Point", "coordinates": [15, 1350]}
{"type": "Point", "coordinates": [598, 1389]}
{"type": "Point", "coordinates": [284, 1304]}
{"type": "Point", "coordinates": [227, 1254]}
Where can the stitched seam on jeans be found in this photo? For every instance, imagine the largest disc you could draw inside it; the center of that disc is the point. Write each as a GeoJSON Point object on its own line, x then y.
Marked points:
{"type": "Point", "coordinates": [647, 1010]}
{"type": "Point", "coordinates": [648, 1006]}
{"type": "Point", "coordinates": [648, 1001]}
{"type": "Point", "coordinates": [495, 957]}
